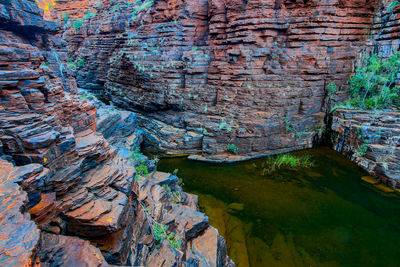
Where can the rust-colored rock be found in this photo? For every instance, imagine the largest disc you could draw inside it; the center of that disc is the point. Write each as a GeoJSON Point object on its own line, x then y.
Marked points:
{"type": "Point", "coordinates": [206, 74]}
{"type": "Point", "coordinates": [80, 191]}
{"type": "Point", "coordinates": [68, 251]}
{"type": "Point", "coordinates": [19, 235]}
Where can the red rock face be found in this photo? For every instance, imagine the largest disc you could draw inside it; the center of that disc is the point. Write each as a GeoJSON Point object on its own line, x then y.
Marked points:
{"type": "Point", "coordinates": [78, 189]}
{"type": "Point", "coordinates": [85, 189]}
{"type": "Point", "coordinates": [247, 73]}
{"type": "Point", "coordinates": [369, 138]}
{"type": "Point", "coordinates": [64, 9]}
{"type": "Point", "coordinates": [18, 235]}
{"type": "Point", "coordinates": [385, 37]}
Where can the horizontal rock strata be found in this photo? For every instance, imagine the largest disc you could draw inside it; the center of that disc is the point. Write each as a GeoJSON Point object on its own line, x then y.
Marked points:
{"type": "Point", "coordinates": [74, 199]}
{"type": "Point", "coordinates": [371, 139]}
{"type": "Point", "coordinates": [208, 74]}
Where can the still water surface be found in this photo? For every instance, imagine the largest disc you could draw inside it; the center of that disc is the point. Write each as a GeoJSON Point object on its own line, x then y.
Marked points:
{"type": "Point", "coordinates": [320, 216]}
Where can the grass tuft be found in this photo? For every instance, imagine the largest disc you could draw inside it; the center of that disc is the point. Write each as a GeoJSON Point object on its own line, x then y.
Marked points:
{"type": "Point", "coordinates": [274, 163]}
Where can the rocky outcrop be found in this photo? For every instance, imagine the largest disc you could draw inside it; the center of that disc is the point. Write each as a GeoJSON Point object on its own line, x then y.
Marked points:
{"type": "Point", "coordinates": [85, 190]}
{"type": "Point", "coordinates": [18, 235]}
{"type": "Point", "coordinates": [163, 202]}
{"type": "Point", "coordinates": [68, 251]}
{"type": "Point", "coordinates": [75, 198]}
{"type": "Point", "coordinates": [161, 207]}
{"type": "Point", "coordinates": [385, 36]}
{"type": "Point", "coordinates": [208, 74]}
{"type": "Point", "coordinates": [21, 242]}
{"type": "Point", "coordinates": [371, 139]}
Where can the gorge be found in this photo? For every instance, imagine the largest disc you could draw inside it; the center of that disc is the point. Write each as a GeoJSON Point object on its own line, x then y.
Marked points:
{"type": "Point", "coordinates": [88, 86]}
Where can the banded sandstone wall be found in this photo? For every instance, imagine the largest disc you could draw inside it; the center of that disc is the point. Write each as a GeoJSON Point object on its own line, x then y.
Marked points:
{"type": "Point", "coordinates": [68, 197]}
{"type": "Point", "coordinates": [213, 73]}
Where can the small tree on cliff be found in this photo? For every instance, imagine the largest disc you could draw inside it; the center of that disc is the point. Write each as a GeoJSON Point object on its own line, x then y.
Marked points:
{"type": "Point", "coordinates": [375, 83]}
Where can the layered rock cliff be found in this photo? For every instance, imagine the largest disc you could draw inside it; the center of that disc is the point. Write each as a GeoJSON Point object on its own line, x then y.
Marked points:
{"type": "Point", "coordinates": [69, 198]}
{"type": "Point", "coordinates": [208, 74]}
{"type": "Point", "coordinates": [371, 138]}
{"type": "Point", "coordinates": [85, 189]}
{"type": "Point", "coordinates": [217, 78]}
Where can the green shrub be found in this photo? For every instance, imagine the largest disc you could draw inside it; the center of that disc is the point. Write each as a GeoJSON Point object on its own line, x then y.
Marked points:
{"type": "Point", "coordinates": [142, 170]}
{"type": "Point", "coordinates": [65, 17]}
{"type": "Point", "coordinates": [392, 5]}
{"type": "Point", "coordinates": [160, 233]}
{"type": "Point", "coordinates": [361, 148]}
{"type": "Point", "coordinates": [78, 24]}
{"type": "Point", "coordinates": [373, 86]}
{"type": "Point", "coordinates": [233, 148]}
{"type": "Point", "coordinates": [174, 196]}
{"type": "Point", "coordinates": [274, 163]}
{"type": "Point", "coordinates": [332, 88]}
{"type": "Point", "coordinates": [81, 63]}
{"type": "Point", "coordinates": [90, 15]}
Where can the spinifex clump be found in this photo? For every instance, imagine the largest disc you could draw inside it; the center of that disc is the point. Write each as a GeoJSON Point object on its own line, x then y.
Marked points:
{"type": "Point", "coordinates": [274, 163]}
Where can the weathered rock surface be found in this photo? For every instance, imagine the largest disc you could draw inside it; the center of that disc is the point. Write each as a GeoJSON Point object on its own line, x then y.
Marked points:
{"type": "Point", "coordinates": [385, 29]}
{"type": "Point", "coordinates": [73, 199]}
{"type": "Point", "coordinates": [208, 74]}
{"type": "Point", "coordinates": [371, 139]}
{"type": "Point", "coordinates": [159, 201]}
{"type": "Point", "coordinates": [19, 235]}
{"type": "Point", "coordinates": [59, 250]}
{"type": "Point", "coordinates": [178, 211]}
{"type": "Point", "coordinates": [43, 124]}
{"type": "Point", "coordinates": [205, 74]}
{"type": "Point", "coordinates": [85, 189]}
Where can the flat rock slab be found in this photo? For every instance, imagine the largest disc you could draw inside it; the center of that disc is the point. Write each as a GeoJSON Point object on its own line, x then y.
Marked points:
{"type": "Point", "coordinates": [209, 249]}
{"type": "Point", "coordinates": [18, 234]}
{"type": "Point", "coordinates": [191, 222]}
{"type": "Point", "coordinates": [163, 178]}
{"type": "Point", "coordinates": [59, 250]}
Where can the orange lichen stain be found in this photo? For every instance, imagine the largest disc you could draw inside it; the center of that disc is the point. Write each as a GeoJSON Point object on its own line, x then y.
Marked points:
{"type": "Point", "coordinates": [46, 4]}
{"type": "Point", "coordinates": [45, 201]}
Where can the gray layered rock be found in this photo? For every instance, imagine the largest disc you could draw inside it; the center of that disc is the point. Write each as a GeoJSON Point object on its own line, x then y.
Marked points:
{"type": "Point", "coordinates": [371, 139]}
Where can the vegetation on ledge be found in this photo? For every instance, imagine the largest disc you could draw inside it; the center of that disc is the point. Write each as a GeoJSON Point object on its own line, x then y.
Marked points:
{"type": "Point", "coordinates": [374, 85]}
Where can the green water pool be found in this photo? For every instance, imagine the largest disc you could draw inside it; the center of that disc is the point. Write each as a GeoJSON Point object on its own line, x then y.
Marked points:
{"type": "Point", "coordinates": [319, 216]}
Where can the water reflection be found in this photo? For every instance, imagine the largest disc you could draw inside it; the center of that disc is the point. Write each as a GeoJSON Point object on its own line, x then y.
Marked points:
{"type": "Point", "coordinates": [321, 216]}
